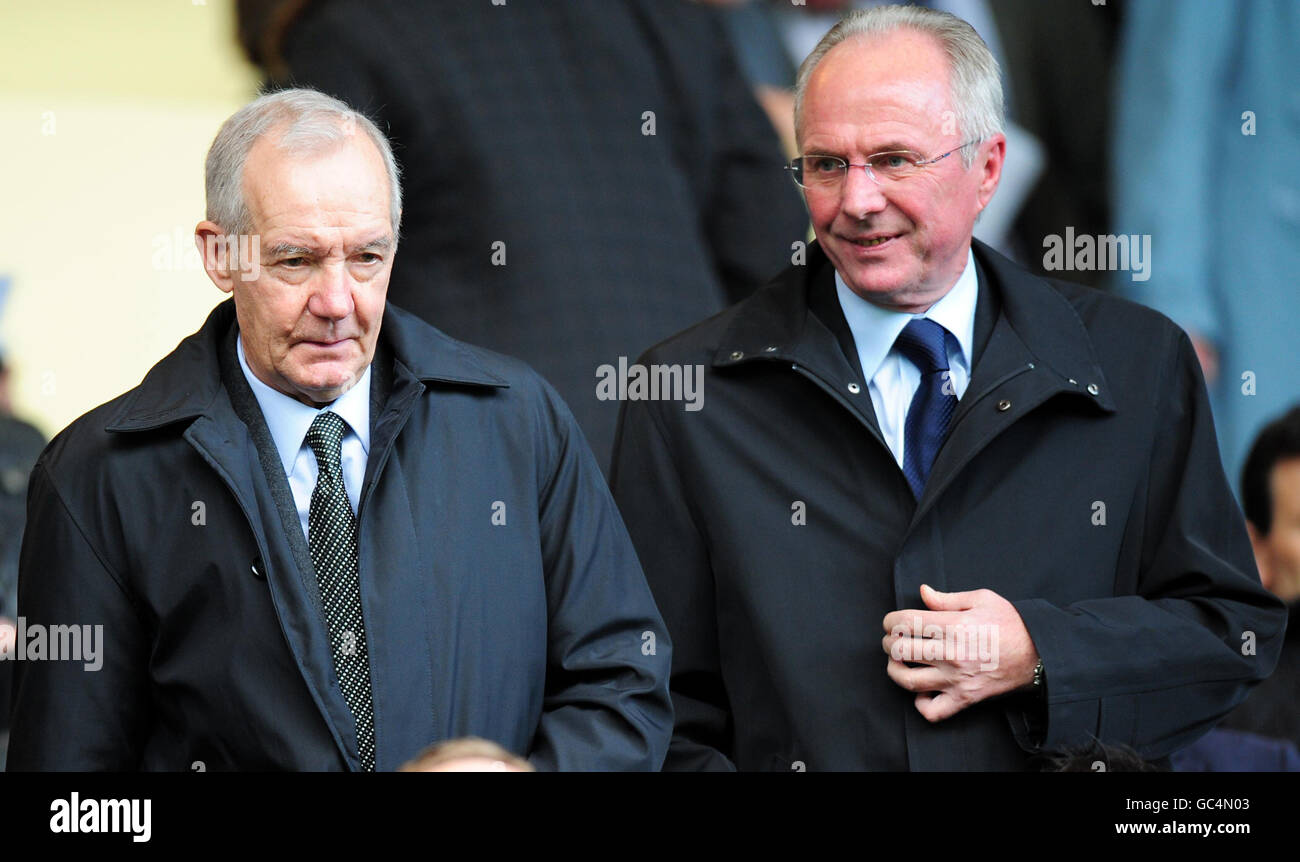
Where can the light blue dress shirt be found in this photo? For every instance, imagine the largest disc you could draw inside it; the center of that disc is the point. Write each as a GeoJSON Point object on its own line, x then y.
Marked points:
{"type": "Point", "coordinates": [288, 421]}
{"type": "Point", "coordinates": [892, 379]}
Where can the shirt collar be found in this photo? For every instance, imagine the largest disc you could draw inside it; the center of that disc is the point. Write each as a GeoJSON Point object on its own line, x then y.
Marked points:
{"type": "Point", "coordinates": [288, 419]}
{"type": "Point", "coordinates": [875, 329]}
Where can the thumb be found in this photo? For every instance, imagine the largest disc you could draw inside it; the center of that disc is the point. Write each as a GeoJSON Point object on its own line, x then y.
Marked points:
{"type": "Point", "coordinates": [939, 601]}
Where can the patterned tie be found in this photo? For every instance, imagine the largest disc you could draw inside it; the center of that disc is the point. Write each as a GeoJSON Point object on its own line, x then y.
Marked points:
{"type": "Point", "coordinates": [332, 537]}
{"type": "Point", "coordinates": [924, 343]}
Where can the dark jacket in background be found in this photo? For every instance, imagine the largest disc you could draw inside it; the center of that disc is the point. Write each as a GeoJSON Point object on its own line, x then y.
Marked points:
{"type": "Point", "coordinates": [20, 445]}
{"type": "Point", "coordinates": [1059, 57]}
{"type": "Point", "coordinates": [502, 596]}
{"type": "Point", "coordinates": [1148, 613]}
{"type": "Point", "coordinates": [520, 131]}
{"type": "Point", "coordinates": [1273, 708]}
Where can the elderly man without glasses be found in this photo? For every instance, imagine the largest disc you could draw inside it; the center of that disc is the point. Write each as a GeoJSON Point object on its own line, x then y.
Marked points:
{"type": "Point", "coordinates": [322, 535]}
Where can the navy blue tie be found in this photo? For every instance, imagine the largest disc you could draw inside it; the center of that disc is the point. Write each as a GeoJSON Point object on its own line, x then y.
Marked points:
{"type": "Point", "coordinates": [924, 343]}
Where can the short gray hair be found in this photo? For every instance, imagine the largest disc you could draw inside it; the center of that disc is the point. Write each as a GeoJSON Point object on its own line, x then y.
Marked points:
{"type": "Point", "coordinates": [307, 121]}
{"type": "Point", "coordinates": [974, 79]}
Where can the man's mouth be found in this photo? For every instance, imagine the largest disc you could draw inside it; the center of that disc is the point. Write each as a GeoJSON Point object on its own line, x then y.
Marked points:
{"type": "Point", "coordinates": [872, 241]}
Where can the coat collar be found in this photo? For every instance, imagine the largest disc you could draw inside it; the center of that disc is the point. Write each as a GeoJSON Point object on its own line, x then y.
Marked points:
{"type": "Point", "coordinates": [773, 324]}
{"type": "Point", "coordinates": [187, 382]}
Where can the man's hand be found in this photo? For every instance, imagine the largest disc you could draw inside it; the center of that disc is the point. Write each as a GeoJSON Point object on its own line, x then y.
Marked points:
{"type": "Point", "coordinates": [970, 646]}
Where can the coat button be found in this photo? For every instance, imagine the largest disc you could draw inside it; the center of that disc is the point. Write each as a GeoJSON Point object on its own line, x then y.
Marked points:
{"type": "Point", "coordinates": [256, 569]}
{"type": "Point", "coordinates": [769, 350]}
{"type": "Point", "coordinates": [737, 354]}
{"type": "Point", "coordinates": [1073, 382]}
{"type": "Point", "coordinates": [1092, 389]}
{"type": "Point", "coordinates": [1004, 405]}
{"type": "Point", "coordinates": [854, 388]}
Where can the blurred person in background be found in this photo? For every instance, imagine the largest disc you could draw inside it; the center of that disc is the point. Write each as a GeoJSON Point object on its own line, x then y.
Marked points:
{"type": "Point", "coordinates": [1206, 160]}
{"type": "Point", "coordinates": [1270, 490]}
{"type": "Point", "coordinates": [1058, 55]}
{"type": "Point", "coordinates": [1097, 757]}
{"type": "Point", "coordinates": [1227, 750]}
{"type": "Point", "coordinates": [466, 755]}
{"type": "Point", "coordinates": [586, 176]}
{"type": "Point", "coordinates": [1270, 494]}
{"type": "Point", "coordinates": [20, 445]}
{"type": "Point", "coordinates": [1263, 733]}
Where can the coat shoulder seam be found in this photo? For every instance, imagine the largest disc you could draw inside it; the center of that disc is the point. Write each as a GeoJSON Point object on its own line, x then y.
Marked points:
{"type": "Point", "coordinates": [72, 519]}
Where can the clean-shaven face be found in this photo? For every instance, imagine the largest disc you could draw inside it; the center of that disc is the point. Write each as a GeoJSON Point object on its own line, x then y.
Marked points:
{"type": "Point", "coordinates": [902, 244]}
{"type": "Point", "coordinates": [310, 320]}
{"type": "Point", "coordinates": [1278, 553]}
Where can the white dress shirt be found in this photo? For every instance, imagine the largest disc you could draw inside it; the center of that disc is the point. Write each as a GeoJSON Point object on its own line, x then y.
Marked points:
{"type": "Point", "coordinates": [288, 421]}
{"type": "Point", "coordinates": [892, 379]}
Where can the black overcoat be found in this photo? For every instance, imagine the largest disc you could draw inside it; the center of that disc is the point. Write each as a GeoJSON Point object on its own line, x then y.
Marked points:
{"type": "Point", "coordinates": [502, 597]}
{"type": "Point", "coordinates": [1080, 480]}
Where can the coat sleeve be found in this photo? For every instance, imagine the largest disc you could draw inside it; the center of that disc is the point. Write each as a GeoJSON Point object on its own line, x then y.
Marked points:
{"type": "Point", "coordinates": [668, 538]}
{"type": "Point", "coordinates": [89, 714]}
{"type": "Point", "coordinates": [1156, 665]}
{"type": "Point", "coordinates": [606, 705]}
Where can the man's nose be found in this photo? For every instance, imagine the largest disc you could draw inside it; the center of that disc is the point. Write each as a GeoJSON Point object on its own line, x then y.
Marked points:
{"type": "Point", "coordinates": [331, 296]}
{"type": "Point", "coordinates": [860, 193]}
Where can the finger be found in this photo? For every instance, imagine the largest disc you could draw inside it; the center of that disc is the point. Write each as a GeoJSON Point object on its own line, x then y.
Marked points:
{"type": "Point", "coordinates": [924, 678]}
{"type": "Point", "coordinates": [938, 707]}
{"type": "Point", "coordinates": [940, 601]}
{"type": "Point", "coordinates": [914, 623]}
{"type": "Point", "coordinates": [914, 650]}
{"type": "Point", "coordinates": [905, 649]}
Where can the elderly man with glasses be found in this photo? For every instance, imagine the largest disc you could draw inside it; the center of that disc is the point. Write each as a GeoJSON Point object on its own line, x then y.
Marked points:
{"type": "Point", "coordinates": [937, 513]}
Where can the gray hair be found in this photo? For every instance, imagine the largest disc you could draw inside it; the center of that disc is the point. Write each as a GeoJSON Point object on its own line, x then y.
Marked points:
{"type": "Point", "coordinates": [308, 121]}
{"type": "Point", "coordinates": [974, 79]}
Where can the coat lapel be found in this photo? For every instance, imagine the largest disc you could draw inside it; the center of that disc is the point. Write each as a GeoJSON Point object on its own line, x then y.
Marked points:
{"type": "Point", "coordinates": [200, 390]}
{"type": "Point", "coordinates": [1031, 346]}
{"type": "Point", "coordinates": [1039, 349]}
{"type": "Point", "coordinates": [796, 322]}
{"type": "Point", "coordinates": [290, 573]}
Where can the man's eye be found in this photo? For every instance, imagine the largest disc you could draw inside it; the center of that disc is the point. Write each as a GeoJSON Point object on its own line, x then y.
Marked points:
{"type": "Point", "coordinates": [369, 257]}
{"type": "Point", "coordinates": [823, 165]}
{"type": "Point", "coordinates": [294, 262]}
{"type": "Point", "coordinates": [893, 161]}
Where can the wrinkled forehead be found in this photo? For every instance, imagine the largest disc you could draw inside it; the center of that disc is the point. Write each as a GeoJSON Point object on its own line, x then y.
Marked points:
{"type": "Point", "coordinates": [326, 184]}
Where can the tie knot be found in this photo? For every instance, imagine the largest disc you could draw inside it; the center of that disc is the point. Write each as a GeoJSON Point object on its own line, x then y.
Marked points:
{"type": "Point", "coordinates": [325, 437]}
{"type": "Point", "coordinates": [924, 342]}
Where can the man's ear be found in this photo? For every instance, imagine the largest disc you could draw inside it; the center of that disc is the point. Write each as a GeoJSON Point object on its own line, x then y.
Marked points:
{"type": "Point", "coordinates": [217, 262]}
{"type": "Point", "coordinates": [1260, 548]}
{"type": "Point", "coordinates": [992, 153]}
